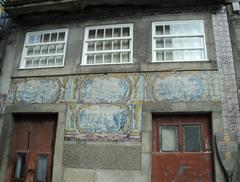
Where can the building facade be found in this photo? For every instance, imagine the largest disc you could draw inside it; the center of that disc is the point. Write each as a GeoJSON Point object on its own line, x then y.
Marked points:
{"type": "Point", "coordinates": [117, 90]}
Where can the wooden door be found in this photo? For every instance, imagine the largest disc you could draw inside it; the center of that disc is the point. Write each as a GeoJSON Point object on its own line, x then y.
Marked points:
{"type": "Point", "coordinates": [31, 150]}
{"type": "Point", "coordinates": [182, 149]}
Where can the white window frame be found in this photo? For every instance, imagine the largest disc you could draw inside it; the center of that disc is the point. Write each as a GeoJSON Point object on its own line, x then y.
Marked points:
{"type": "Point", "coordinates": [26, 44]}
{"type": "Point", "coordinates": [154, 36]}
{"type": "Point", "coordinates": [130, 38]}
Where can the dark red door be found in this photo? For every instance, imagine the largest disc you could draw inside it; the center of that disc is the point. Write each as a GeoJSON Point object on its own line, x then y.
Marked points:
{"type": "Point", "coordinates": [31, 149]}
{"type": "Point", "coordinates": [182, 149]}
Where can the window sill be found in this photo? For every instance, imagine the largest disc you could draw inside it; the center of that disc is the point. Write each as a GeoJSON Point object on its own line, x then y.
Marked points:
{"type": "Point", "coordinates": [118, 68]}
{"type": "Point", "coordinates": [47, 67]}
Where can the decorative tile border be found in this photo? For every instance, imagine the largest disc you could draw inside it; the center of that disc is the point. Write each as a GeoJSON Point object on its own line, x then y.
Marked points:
{"type": "Point", "coordinates": [230, 106]}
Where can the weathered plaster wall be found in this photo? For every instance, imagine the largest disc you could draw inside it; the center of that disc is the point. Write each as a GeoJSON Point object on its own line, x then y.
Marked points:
{"type": "Point", "coordinates": [7, 45]}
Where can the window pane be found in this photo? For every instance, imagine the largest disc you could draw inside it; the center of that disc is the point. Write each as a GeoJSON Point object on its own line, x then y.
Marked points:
{"type": "Point", "coordinates": [187, 42]}
{"type": "Point", "coordinates": [197, 42]}
{"type": "Point", "coordinates": [52, 49]}
{"type": "Point", "coordinates": [169, 55]}
{"type": "Point", "coordinates": [125, 57]}
{"type": "Point", "coordinates": [187, 28]}
{"type": "Point", "coordinates": [193, 55]}
{"type": "Point", "coordinates": [37, 50]}
{"type": "Point", "coordinates": [116, 44]}
{"type": "Point", "coordinates": [117, 32]}
{"type": "Point", "coordinates": [31, 39]}
{"type": "Point", "coordinates": [59, 61]}
{"type": "Point", "coordinates": [53, 37]}
{"type": "Point", "coordinates": [91, 34]}
{"type": "Point", "coordinates": [160, 56]}
{"type": "Point", "coordinates": [39, 38]}
{"type": "Point", "coordinates": [42, 168]}
{"type": "Point", "coordinates": [50, 61]}
{"type": "Point", "coordinates": [44, 49]}
{"type": "Point", "coordinates": [99, 46]}
{"type": "Point", "coordinates": [61, 36]}
{"type": "Point", "coordinates": [43, 61]}
{"type": "Point", "coordinates": [113, 47]}
{"type": "Point", "coordinates": [197, 28]}
{"type": "Point", "coordinates": [116, 58]}
{"type": "Point", "coordinates": [179, 41]}
{"type": "Point", "coordinates": [30, 51]}
{"type": "Point", "coordinates": [91, 46]}
{"type": "Point", "coordinates": [108, 33]}
{"type": "Point", "coordinates": [20, 165]}
{"type": "Point", "coordinates": [125, 44]}
{"type": "Point", "coordinates": [160, 43]}
{"type": "Point", "coordinates": [46, 37]}
{"type": "Point", "coordinates": [35, 62]}
{"type": "Point", "coordinates": [167, 30]}
{"type": "Point", "coordinates": [126, 31]}
{"type": "Point", "coordinates": [60, 48]}
{"type": "Point", "coordinates": [90, 59]}
{"type": "Point", "coordinates": [108, 45]}
{"type": "Point", "coordinates": [100, 33]}
{"type": "Point", "coordinates": [46, 44]}
{"type": "Point", "coordinates": [176, 28]}
{"type": "Point", "coordinates": [28, 63]}
{"type": "Point", "coordinates": [168, 43]}
{"type": "Point", "coordinates": [178, 55]}
{"type": "Point", "coordinates": [107, 58]}
{"type": "Point", "coordinates": [169, 138]}
{"type": "Point", "coordinates": [191, 138]}
{"type": "Point", "coordinates": [99, 58]}
{"type": "Point", "coordinates": [159, 30]}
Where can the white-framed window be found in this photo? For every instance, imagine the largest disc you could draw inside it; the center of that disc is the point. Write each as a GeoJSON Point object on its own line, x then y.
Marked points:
{"type": "Point", "coordinates": [108, 44]}
{"type": "Point", "coordinates": [44, 49]}
{"type": "Point", "coordinates": [178, 41]}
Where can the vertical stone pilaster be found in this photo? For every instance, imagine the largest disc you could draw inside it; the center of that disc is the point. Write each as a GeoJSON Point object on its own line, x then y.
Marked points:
{"type": "Point", "coordinates": [230, 105]}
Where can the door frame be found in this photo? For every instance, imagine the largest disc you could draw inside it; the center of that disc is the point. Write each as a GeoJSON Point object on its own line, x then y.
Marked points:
{"type": "Point", "coordinates": [213, 109]}
{"type": "Point", "coordinates": [8, 122]}
{"type": "Point", "coordinates": [202, 120]}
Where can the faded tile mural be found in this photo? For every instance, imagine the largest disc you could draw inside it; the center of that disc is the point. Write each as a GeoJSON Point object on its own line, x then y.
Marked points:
{"type": "Point", "coordinates": [109, 107]}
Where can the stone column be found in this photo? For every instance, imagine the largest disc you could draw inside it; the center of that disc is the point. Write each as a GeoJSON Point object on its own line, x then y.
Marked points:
{"type": "Point", "coordinates": [224, 52]}
{"type": "Point", "coordinates": [230, 106]}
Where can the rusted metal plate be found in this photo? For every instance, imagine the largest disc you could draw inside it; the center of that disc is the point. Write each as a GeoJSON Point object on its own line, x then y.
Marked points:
{"type": "Point", "coordinates": [227, 147]}
{"type": "Point", "coordinates": [182, 167]}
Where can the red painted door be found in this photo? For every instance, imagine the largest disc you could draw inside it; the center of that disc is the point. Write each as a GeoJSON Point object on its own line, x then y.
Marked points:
{"type": "Point", "coordinates": [31, 150]}
{"type": "Point", "coordinates": [182, 149]}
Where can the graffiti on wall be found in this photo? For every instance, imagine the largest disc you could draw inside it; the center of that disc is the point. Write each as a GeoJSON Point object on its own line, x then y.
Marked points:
{"type": "Point", "coordinates": [109, 107]}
